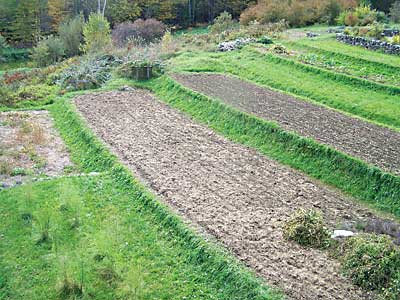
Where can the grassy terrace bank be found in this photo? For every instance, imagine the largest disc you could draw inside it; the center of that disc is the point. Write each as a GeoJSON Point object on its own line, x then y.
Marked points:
{"type": "Point", "coordinates": [349, 94]}
{"type": "Point", "coordinates": [330, 44]}
{"type": "Point", "coordinates": [343, 63]}
{"type": "Point", "coordinates": [107, 237]}
{"type": "Point", "coordinates": [352, 176]}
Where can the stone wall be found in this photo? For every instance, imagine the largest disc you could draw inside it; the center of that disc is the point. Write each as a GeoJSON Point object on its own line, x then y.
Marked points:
{"type": "Point", "coordinates": [368, 43]}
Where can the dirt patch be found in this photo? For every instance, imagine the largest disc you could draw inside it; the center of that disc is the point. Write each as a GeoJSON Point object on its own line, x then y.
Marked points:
{"type": "Point", "coordinates": [29, 148]}
{"type": "Point", "coordinates": [236, 194]}
{"type": "Point", "coordinates": [375, 145]}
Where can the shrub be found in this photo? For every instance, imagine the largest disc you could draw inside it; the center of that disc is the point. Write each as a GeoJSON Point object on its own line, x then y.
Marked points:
{"type": "Point", "coordinates": [296, 12]}
{"type": "Point", "coordinates": [146, 31]}
{"type": "Point", "coordinates": [7, 96]}
{"type": "Point", "coordinates": [96, 33]}
{"type": "Point", "coordinates": [396, 39]}
{"type": "Point", "coordinates": [371, 261]}
{"type": "Point", "coordinates": [307, 228]}
{"type": "Point", "coordinates": [122, 33]}
{"type": "Point", "coordinates": [392, 292]}
{"type": "Point", "coordinates": [249, 15]}
{"type": "Point", "coordinates": [149, 30]}
{"type": "Point", "coordinates": [71, 35]}
{"type": "Point", "coordinates": [3, 43]}
{"type": "Point", "coordinates": [222, 23]}
{"type": "Point", "coordinates": [279, 49]}
{"type": "Point", "coordinates": [360, 16]}
{"type": "Point", "coordinates": [375, 31]}
{"type": "Point", "coordinates": [89, 73]}
{"type": "Point", "coordinates": [35, 92]}
{"type": "Point", "coordinates": [12, 54]}
{"type": "Point", "coordinates": [395, 12]}
{"type": "Point", "coordinates": [48, 51]}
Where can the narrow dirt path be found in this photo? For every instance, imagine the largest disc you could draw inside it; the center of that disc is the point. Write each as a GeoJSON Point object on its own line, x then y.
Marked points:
{"type": "Point", "coordinates": [375, 145]}
{"type": "Point", "coordinates": [233, 192]}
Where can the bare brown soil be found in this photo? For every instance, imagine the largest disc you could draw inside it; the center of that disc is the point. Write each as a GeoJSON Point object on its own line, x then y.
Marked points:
{"type": "Point", "coordinates": [29, 147]}
{"type": "Point", "coordinates": [233, 192]}
{"type": "Point", "coordinates": [374, 144]}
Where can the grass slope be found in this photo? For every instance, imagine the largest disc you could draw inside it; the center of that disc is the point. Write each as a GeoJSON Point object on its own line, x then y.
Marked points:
{"type": "Point", "coordinates": [344, 63]}
{"type": "Point", "coordinates": [350, 175]}
{"type": "Point", "coordinates": [342, 92]}
{"type": "Point", "coordinates": [330, 44]}
{"type": "Point", "coordinates": [118, 251]}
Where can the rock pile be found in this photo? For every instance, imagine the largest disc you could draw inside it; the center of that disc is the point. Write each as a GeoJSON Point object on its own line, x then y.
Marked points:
{"type": "Point", "coordinates": [234, 45]}
{"type": "Point", "coordinates": [390, 32]}
{"type": "Point", "coordinates": [369, 44]}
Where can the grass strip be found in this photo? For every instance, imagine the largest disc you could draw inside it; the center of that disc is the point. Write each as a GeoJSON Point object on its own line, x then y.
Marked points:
{"type": "Point", "coordinates": [331, 44]}
{"type": "Point", "coordinates": [225, 272]}
{"type": "Point", "coordinates": [338, 77]}
{"type": "Point", "coordinates": [352, 176]}
{"type": "Point", "coordinates": [271, 71]}
{"type": "Point", "coordinates": [357, 62]}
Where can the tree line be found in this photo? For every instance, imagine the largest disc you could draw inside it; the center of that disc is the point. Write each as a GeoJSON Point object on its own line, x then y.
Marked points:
{"type": "Point", "coordinates": [25, 21]}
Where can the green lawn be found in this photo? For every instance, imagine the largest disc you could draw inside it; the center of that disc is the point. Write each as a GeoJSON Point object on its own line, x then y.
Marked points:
{"type": "Point", "coordinates": [265, 69]}
{"type": "Point", "coordinates": [90, 233]}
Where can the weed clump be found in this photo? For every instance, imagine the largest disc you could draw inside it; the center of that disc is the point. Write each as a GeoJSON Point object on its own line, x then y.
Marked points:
{"type": "Point", "coordinates": [307, 228]}
{"type": "Point", "coordinates": [69, 289]}
{"type": "Point", "coordinates": [371, 261]}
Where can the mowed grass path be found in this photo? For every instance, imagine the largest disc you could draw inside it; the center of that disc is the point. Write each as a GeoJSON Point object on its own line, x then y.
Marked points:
{"type": "Point", "coordinates": [266, 69]}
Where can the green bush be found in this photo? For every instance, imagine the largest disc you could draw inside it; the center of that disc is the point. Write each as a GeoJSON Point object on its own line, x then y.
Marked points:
{"type": "Point", "coordinates": [96, 34]}
{"type": "Point", "coordinates": [71, 35]}
{"type": "Point", "coordinates": [376, 30]}
{"type": "Point", "coordinates": [393, 291]}
{"type": "Point", "coordinates": [361, 16]}
{"type": "Point", "coordinates": [88, 73]}
{"type": "Point", "coordinates": [307, 228]}
{"type": "Point", "coordinates": [371, 261]}
{"type": "Point", "coordinates": [7, 96]}
{"type": "Point", "coordinates": [48, 51]}
{"type": "Point", "coordinates": [3, 43]}
{"type": "Point", "coordinates": [222, 23]}
{"type": "Point", "coordinates": [9, 54]}
{"type": "Point", "coordinates": [35, 92]}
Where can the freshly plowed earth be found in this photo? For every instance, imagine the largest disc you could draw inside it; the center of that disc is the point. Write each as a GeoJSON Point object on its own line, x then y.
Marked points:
{"type": "Point", "coordinates": [233, 192]}
{"type": "Point", "coordinates": [375, 145]}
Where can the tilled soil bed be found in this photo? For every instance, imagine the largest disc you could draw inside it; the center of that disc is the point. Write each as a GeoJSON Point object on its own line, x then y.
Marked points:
{"type": "Point", "coordinates": [375, 145]}
{"type": "Point", "coordinates": [233, 192]}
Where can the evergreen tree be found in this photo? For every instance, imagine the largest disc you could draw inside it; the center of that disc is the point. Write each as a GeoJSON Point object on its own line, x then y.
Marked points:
{"type": "Point", "coordinates": [26, 26]}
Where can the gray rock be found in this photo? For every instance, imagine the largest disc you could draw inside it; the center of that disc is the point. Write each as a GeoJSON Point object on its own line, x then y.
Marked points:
{"type": "Point", "coordinates": [368, 43]}
{"type": "Point", "coordinates": [337, 234]}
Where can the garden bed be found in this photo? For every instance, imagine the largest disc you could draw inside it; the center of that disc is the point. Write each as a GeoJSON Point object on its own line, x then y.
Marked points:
{"type": "Point", "coordinates": [374, 144]}
{"type": "Point", "coordinates": [234, 193]}
{"type": "Point", "coordinates": [29, 148]}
